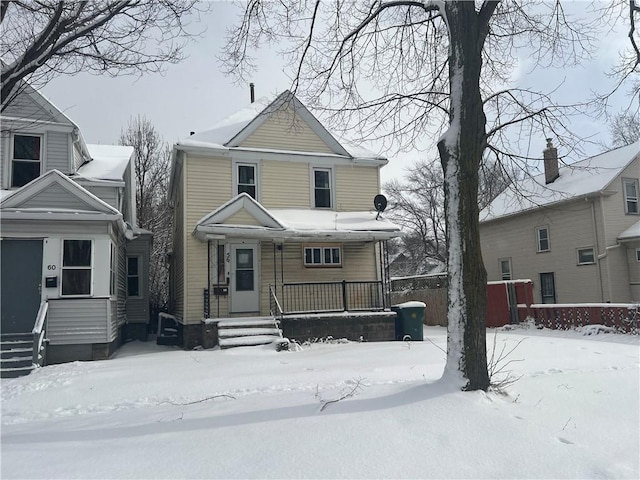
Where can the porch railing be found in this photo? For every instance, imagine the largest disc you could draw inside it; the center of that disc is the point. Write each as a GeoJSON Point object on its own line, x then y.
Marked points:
{"type": "Point", "coordinates": [320, 297]}
{"type": "Point", "coordinates": [274, 305]}
{"type": "Point", "coordinates": [39, 330]}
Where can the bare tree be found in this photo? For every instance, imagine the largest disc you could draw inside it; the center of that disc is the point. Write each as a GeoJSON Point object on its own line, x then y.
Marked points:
{"type": "Point", "coordinates": [152, 158]}
{"type": "Point", "coordinates": [41, 39]}
{"type": "Point", "coordinates": [402, 69]}
{"type": "Point", "coordinates": [417, 205]}
{"type": "Point", "coordinates": [625, 129]}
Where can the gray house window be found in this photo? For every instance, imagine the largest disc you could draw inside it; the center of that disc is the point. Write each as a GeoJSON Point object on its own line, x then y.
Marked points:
{"type": "Point", "coordinates": [542, 236]}
{"type": "Point", "coordinates": [630, 187]}
{"type": "Point", "coordinates": [322, 187]}
{"type": "Point", "coordinates": [548, 287]}
{"type": "Point", "coordinates": [505, 268]}
{"type": "Point", "coordinates": [26, 158]}
{"type": "Point", "coordinates": [76, 267]}
{"type": "Point", "coordinates": [133, 276]}
{"type": "Point", "coordinates": [586, 256]}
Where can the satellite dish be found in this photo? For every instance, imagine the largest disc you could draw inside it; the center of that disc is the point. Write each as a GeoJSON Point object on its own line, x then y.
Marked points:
{"type": "Point", "coordinates": [380, 202]}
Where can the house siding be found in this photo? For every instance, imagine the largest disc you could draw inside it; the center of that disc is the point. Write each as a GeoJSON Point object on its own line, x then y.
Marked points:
{"type": "Point", "coordinates": [57, 151]}
{"type": "Point", "coordinates": [106, 194]}
{"type": "Point", "coordinates": [56, 196]}
{"type": "Point", "coordinates": [285, 184]}
{"type": "Point", "coordinates": [24, 106]}
{"type": "Point", "coordinates": [78, 321]}
{"type": "Point", "coordinates": [177, 259]}
{"type": "Point", "coordinates": [285, 130]}
{"type": "Point", "coordinates": [356, 187]}
{"type": "Point", "coordinates": [570, 227]}
{"type": "Point", "coordinates": [138, 308]}
{"type": "Point", "coordinates": [617, 220]}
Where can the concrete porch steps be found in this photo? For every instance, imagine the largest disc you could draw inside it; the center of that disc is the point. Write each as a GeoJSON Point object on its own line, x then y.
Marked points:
{"type": "Point", "coordinates": [16, 354]}
{"type": "Point", "coordinates": [246, 332]}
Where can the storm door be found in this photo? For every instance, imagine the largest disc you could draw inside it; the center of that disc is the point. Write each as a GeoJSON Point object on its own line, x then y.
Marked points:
{"type": "Point", "coordinates": [245, 291]}
{"type": "Point", "coordinates": [548, 288]}
{"type": "Point", "coordinates": [21, 284]}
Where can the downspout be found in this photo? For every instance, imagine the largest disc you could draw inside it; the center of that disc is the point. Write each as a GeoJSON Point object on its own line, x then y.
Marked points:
{"type": "Point", "coordinates": [208, 278]}
{"type": "Point", "coordinates": [218, 273]}
{"type": "Point", "coordinates": [598, 256]}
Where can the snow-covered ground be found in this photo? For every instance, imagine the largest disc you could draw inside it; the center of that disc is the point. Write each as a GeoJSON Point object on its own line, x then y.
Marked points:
{"type": "Point", "coordinates": [160, 412]}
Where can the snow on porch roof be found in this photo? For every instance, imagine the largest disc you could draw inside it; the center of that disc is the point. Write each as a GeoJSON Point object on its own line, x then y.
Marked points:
{"type": "Point", "coordinates": [631, 233]}
{"type": "Point", "coordinates": [327, 221]}
{"type": "Point", "coordinates": [589, 176]}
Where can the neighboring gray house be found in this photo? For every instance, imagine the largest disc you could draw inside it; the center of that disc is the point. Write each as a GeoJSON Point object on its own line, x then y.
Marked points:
{"type": "Point", "coordinates": [70, 245]}
{"type": "Point", "coordinates": [574, 230]}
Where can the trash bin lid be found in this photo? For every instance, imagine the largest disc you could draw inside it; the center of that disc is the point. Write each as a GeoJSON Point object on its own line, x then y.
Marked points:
{"type": "Point", "coordinates": [412, 304]}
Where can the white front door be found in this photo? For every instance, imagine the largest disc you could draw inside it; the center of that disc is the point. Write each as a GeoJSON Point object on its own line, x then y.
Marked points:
{"type": "Point", "coordinates": [245, 291]}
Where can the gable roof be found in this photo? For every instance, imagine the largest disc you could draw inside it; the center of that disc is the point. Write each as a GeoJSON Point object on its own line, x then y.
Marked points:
{"type": "Point", "coordinates": [584, 178]}
{"type": "Point", "coordinates": [241, 202]}
{"type": "Point", "coordinates": [75, 201]}
{"type": "Point", "coordinates": [234, 129]}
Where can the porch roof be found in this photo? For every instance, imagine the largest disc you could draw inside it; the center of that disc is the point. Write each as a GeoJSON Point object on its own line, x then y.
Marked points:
{"type": "Point", "coordinates": [294, 224]}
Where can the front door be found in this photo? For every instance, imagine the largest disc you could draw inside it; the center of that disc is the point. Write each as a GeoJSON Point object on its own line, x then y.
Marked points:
{"type": "Point", "coordinates": [547, 288]}
{"type": "Point", "coordinates": [245, 292]}
{"type": "Point", "coordinates": [21, 277]}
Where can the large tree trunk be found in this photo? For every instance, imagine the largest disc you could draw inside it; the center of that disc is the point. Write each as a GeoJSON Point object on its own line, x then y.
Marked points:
{"type": "Point", "coordinates": [461, 149]}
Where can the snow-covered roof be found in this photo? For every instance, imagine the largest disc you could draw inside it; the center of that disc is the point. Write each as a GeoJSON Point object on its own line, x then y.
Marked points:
{"type": "Point", "coordinates": [589, 176]}
{"type": "Point", "coordinates": [293, 223]}
{"type": "Point", "coordinates": [222, 134]}
{"type": "Point", "coordinates": [631, 233]}
{"type": "Point", "coordinates": [109, 162]}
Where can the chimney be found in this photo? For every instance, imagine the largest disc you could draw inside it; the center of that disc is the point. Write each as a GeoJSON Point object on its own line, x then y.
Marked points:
{"type": "Point", "coordinates": [253, 93]}
{"type": "Point", "coordinates": [551, 172]}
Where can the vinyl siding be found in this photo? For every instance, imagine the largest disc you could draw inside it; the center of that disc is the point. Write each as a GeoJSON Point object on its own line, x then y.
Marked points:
{"type": "Point", "coordinates": [285, 130]}
{"type": "Point", "coordinates": [106, 194]}
{"type": "Point", "coordinates": [356, 187]}
{"type": "Point", "coordinates": [138, 308]}
{"type": "Point", "coordinates": [241, 218]}
{"type": "Point", "coordinates": [285, 184]}
{"type": "Point", "coordinates": [79, 321]}
{"type": "Point", "coordinates": [570, 227]}
{"type": "Point", "coordinates": [56, 196]}
{"type": "Point", "coordinates": [43, 229]}
{"type": "Point", "coordinates": [178, 253]}
{"type": "Point", "coordinates": [24, 106]}
{"type": "Point", "coordinates": [57, 152]}
{"type": "Point", "coordinates": [617, 221]}
{"type": "Point", "coordinates": [209, 186]}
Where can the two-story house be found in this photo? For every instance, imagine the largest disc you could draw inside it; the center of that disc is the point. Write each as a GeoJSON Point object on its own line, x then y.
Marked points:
{"type": "Point", "coordinates": [74, 263]}
{"type": "Point", "coordinates": [573, 230]}
{"type": "Point", "coordinates": [274, 216]}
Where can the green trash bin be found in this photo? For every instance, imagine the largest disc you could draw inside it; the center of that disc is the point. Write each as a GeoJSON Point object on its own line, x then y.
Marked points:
{"type": "Point", "coordinates": [409, 320]}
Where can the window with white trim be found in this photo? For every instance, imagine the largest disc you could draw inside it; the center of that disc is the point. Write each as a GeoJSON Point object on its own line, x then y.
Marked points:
{"type": "Point", "coordinates": [247, 174]}
{"type": "Point", "coordinates": [133, 277]}
{"type": "Point", "coordinates": [542, 237]}
{"type": "Point", "coordinates": [77, 258]}
{"type": "Point", "coordinates": [322, 187]}
{"type": "Point", "coordinates": [26, 159]}
{"type": "Point", "coordinates": [505, 268]}
{"type": "Point", "coordinates": [630, 188]}
{"type": "Point", "coordinates": [322, 256]}
{"type": "Point", "coordinates": [113, 270]}
{"type": "Point", "coordinates": [586, 256]}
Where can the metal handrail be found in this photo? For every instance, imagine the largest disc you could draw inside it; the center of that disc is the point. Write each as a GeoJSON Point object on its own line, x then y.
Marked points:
{"type": "Point", "coordinates": [273, 302]}
{"type": "Point", "coordinates": [38, 332]}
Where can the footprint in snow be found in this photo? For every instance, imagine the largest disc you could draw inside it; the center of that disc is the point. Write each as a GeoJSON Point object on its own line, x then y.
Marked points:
{"type": "Point", "coordinates": [565, 441]}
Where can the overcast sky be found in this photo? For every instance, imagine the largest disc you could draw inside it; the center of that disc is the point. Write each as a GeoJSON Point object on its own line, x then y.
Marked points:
{"type": "Point", "coordinates": [194, 94]}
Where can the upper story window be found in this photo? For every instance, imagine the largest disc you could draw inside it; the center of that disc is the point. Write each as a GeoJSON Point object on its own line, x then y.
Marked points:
{"type": "Point", "coordinates": [322, 256]}
{"type": "Point", "coordinates": [586, 256]}
{"type": "Point", "coordinates": [133, 276]}
{"type": "Point", "coordinates": [630, 186]}
{"type": "Point", "coordinates": [247, 174]}
{"type": "Point", "coordinates": [542, 237]}
{"type": "Point", "coordinates": [322, 187]}
{"type": "Point", "coordinates": [505, 268]}
{"type": "Point", "coordinates": [77, 267]}
{"type": "Point", "coordinates": [26, 159]}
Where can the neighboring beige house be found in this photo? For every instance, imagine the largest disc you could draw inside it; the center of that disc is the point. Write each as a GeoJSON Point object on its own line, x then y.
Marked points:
{"type": "Point", "coordinates": [275, 215]}
{"type": "Point", "coordinates": [574, 230]}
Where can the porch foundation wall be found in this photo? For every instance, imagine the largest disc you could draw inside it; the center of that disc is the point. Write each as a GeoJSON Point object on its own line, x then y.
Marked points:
{"type": "Point", "coordinates": [375, 327]}
{"type": "Point", "coordinates": [191, 335]}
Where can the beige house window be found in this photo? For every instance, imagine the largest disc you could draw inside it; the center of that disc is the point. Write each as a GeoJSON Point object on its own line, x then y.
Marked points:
{"type": "Point", "coordinates": [247, 174]}
{"type": "Point", "coordinates": [542, 238]}
{"type": "Point", "coordinates": [586, 256]}
{"type": "Point", "coordinates": [505, 268]}
{"type": "Point", "coordinates": [630, 187]}
{"type": "Point", "coordinates": [322, 256]}
{"type": "Point", "coordinates": [322, 188]}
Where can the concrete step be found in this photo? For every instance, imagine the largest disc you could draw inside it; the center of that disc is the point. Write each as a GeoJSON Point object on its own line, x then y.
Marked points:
{"type": "Point", "coordinates": [243, 322]}
{"type": "Point", "coordinates": [16, 362]}
{"type": "Point", "coordinates": [17, 352]}
{"type": "Point", "coordinates": [15, 372]}
{"type": "Point", "coordinates": [247, 332]}
{"type": "Point", "coordinates": [248, 341]}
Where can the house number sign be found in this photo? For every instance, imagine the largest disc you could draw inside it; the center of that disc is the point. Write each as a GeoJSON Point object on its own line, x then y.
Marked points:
{"type": "Point", "coordinates": [51, 267]}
